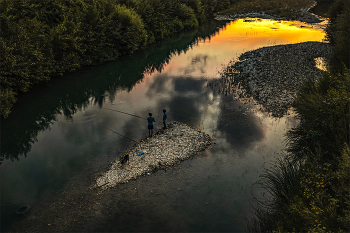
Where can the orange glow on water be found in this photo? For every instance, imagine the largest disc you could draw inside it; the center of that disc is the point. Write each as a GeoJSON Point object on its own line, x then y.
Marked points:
{"type": "Point", "coordinates": [267, 29]}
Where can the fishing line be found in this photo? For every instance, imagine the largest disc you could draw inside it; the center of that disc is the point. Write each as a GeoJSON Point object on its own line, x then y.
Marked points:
{"type": "Point", "coordinates": [123, 135]}
{"type": "Point", "coordinates": [125, 113]}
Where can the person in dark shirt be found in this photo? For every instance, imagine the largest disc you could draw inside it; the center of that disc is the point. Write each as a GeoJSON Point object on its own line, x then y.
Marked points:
{"type": "Point", "coordinates": [164, 118]}
{"type": "Point", "coordinates": [124, 159]}
{"type": "Point", "coordinates": [150, 120]}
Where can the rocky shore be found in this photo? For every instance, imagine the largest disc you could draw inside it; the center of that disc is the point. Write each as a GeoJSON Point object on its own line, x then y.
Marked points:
{"type": "Point", "coordinates": [273, 74]}
{"type": "Point", "coordinates": [304, 16]}
{"type": "Point", "coordinates": [167, 147]}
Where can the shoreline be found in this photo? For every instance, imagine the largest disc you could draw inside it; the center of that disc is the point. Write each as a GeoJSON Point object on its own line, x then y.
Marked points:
{"type": "Point", "coordinates": [272, 75]}
{"type": "Point", "coordinates": [305, 16]}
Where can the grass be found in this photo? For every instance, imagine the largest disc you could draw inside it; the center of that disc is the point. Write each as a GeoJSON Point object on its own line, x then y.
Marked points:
{"type": "Point", "coordinates": [312, 197]}
{"type": "Point", "coordinates": [289, 9]}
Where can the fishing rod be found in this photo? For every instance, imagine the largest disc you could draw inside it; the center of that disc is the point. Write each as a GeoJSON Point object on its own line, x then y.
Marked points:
{"type": "Point", "coordinates": [125, 113]}
{"type": "Point", "coordinates": [122, 135]}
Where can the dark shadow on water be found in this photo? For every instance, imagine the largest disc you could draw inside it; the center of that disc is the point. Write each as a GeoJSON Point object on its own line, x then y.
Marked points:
{"type": "Point", "coordinates": [241, 128]}
{"type": "Point", "coordinates": [186, 85]}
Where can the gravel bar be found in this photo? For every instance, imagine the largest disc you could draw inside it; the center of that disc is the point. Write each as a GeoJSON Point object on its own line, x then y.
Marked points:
{"type": "Point", "coordinates": [167, 147]}
{"type": "Point", "coordinates": [273, 74]}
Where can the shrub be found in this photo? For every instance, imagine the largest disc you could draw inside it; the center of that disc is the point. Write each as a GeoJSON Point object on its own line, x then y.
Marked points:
{"type": "Point", "coordinates": [337, 33]}
{"type": "Point", "coordinates": [323, 108]}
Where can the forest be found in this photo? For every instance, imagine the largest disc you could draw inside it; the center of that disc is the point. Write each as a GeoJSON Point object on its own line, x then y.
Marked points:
{"type": "Point", "coordinates": [44, 39]}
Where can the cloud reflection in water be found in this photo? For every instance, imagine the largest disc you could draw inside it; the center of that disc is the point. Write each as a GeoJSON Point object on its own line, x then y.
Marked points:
{"type": "Point", "coordinates": [190, 101]}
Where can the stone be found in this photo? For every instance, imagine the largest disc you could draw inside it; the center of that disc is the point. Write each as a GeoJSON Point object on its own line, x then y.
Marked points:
{"type": "Point", "coordinates": [166, 148]}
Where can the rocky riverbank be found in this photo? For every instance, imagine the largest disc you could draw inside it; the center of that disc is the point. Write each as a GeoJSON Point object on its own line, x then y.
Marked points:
{"type": "Point", "coordinates": [303, 15]}
{"type": "Point", "coordinates": [167, 147]}
{"type": "Point", "coordinates": [273, 74]}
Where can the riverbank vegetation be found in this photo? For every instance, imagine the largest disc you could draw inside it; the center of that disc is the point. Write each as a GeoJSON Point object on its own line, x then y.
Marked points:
{"type": "Point", "coordinates": [289, 9]}
{"type": "Point", "coordinates": [44, 39]}
{"type": "Point", "coordinates": [308, 190]}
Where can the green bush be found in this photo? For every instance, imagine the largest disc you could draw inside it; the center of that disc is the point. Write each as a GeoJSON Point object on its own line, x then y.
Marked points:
{"type": "Point", "coordinates": [322, 202]}
{"type": "Point", "coordinates": [337, 33]}
{"type": "Point", "coordinates": [309, 189]}
{"type": "Point", "coordinates": [323, 108]}
{"type": "Point", "coordinates": [325, 194]}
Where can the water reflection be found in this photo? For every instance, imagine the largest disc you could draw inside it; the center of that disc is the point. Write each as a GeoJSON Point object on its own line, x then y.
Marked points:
{"type": "Point", "coordinates": [267, 31]}
{"type": "Point", "coordinates": [241, 128]}
{"type": "Point", "coordinates": [37, 111]}
{"type": "Point", "coordinates": [49, 123]}
{"type": "Point", "coordinates": [210, 192]}
{"type": "Point", "coordinates": [186, 85]}
{"type": "Point", "coordinates": [190, 101]}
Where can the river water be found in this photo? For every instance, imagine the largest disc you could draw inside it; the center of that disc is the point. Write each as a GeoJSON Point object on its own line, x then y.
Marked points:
{"type": "Point", "coordinates": [59, 136]}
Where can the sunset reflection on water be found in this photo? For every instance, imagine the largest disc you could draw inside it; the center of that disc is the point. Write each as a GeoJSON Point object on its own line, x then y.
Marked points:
{"type": "Point", "coordinates": [261, 30]}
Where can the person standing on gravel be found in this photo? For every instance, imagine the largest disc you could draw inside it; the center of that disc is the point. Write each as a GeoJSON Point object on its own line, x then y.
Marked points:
{"type": "Point", "coordinates": [150, 120]}
{"type": "Point", "coordinates": [164, 118]}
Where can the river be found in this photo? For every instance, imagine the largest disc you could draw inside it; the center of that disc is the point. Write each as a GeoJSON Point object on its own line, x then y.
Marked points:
{"type": "Point", "coordinates": [58, 137]}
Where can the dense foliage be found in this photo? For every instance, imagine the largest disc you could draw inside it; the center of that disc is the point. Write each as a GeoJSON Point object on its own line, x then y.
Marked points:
{"type": "Point", "coordinates": [338, 33]}
{"type": "Point", "coordinates": [43, 39]}
{"type": "Point", "coordinates": [308, 191]}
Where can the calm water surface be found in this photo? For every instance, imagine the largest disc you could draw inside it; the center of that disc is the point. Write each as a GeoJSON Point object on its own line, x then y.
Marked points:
{"type": "Point", "coordinates": [59, 135]}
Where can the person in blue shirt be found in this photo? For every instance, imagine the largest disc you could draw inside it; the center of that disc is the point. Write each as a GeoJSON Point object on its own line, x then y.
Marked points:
{"type": "Point", "coordinates": [150, 120]}
{"type": "Point", "coordinates": [164, 118]}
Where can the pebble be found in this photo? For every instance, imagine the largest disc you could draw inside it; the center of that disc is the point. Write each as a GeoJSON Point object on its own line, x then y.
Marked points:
{"type": "Point", "coordinates": [272, 75]}
{"type": "Point", "coordinates": [166, 148]}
